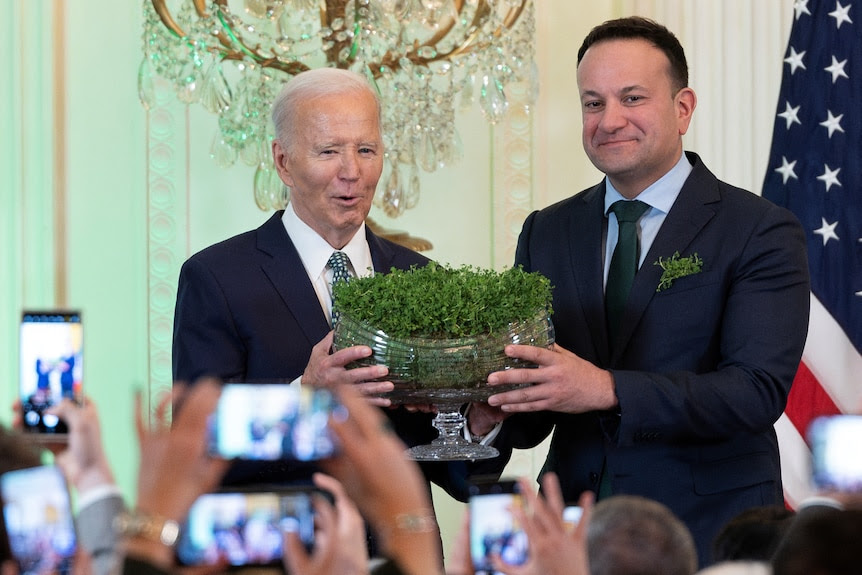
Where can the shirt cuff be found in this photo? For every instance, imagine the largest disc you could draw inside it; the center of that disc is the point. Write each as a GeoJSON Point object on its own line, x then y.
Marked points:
{"type": "Point", "coordinates": [486, 439]}
{"type": "Point", "coordinates": [820, 501]}
{"type": "Point", "coordinates": [96, 494]}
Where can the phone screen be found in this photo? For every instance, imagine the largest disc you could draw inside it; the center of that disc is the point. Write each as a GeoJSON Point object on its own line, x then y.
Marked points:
{"type": "Point", "coordinates": [572, 516]}
{"type": "Point", "coordinates": [38, 519]}
{"type": "Point", "coordinates": [244, 528]}
{"type": "Point", "coordinates": [493, 529]}
{"type": "Point", "coordinates": [51, 366]}
{"type": "Point", "coordinates": [273, 421]}
{"type": "Point", "coordinates": [835, 442]}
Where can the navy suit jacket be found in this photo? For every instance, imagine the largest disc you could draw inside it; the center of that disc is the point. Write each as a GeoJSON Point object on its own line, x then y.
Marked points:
{"type": "Point", "coordinates": [246, 310]}
{"type": "Point", "coordinates": [702, 369]}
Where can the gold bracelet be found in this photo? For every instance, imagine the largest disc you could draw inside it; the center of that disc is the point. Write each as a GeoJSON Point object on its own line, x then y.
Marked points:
{"type": "Point", "coordinates": [147, 526]}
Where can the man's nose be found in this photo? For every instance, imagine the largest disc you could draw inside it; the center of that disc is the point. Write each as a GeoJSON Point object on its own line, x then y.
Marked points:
{"type": "Point", "coordinates": [612, 118]}
{"type": "Point", "coordinates": [350, 165]}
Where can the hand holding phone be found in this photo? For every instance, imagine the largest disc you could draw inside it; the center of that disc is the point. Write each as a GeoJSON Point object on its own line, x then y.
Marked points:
{"type": "Point", "coordinates": [245, 527]}
{"type": "Point", "coordinates": [572, 516]}
{"type": "Point", "coordinates": [493, 529]}
{"type": "Point", "coordinates": [38, 520]}
{"type": "Point", "coordinates": [51, 366]}
{"type": "Point", "coordinates": [272, 421]}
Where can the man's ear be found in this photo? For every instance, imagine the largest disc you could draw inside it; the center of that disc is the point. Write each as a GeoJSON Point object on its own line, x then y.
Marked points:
{"type": "Point", "coordinates": [281, 160]}
{"type": "Point", "coordinates": [685, 102]}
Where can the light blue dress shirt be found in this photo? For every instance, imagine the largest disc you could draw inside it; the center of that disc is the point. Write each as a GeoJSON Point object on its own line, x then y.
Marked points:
{"type": "Point", "coordinates": [660, 197]}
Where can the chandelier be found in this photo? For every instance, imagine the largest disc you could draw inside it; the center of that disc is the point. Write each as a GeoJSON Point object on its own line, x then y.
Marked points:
{"type": "Point", "coordinates": [233, 56]}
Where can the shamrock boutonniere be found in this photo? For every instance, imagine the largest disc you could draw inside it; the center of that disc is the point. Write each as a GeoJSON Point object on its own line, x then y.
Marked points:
{"type": "Point", "coordinates": [676, 267]}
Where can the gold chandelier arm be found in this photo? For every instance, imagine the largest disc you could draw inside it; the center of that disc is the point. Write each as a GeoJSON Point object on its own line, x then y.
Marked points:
{"type": "Point", "coordinates": [445, 29]}
{"type": "Point", "coordinates": [227, 37]}
{"type": "Point", "coordinates": [331, 11]}
{"type": "Point", "coordinates": [167, 19]}
{"type": "Point", "coordinates": [234, 48]}
{"type": "Point", "coordinates": [468, 45]}
{"type": "Point", "coordinates": [481, 10]}
{"type": "Point", "coordinates": [512, 17]}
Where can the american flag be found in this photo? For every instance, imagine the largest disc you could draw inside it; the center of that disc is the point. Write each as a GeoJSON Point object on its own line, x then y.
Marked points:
{"type": "Point", "coordinates": [815, 170]}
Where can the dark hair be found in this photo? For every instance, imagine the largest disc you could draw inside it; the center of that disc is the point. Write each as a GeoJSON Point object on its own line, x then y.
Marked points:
{"type": "Point", "coordinates": [752, 535]}
{"type": "Point", "coordinates": [636, 27]}
{"type": "Point", "coordinates": [823, 541]}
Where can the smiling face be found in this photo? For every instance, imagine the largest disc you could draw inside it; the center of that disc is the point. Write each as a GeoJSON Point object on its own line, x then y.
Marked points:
{"type": "Point", "coordinates": [333, 163]}
{"type": "Point", "coordinates": [633, 120]}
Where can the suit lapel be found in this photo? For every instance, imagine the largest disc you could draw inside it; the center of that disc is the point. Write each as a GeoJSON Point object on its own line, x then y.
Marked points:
{"type": "Point", "coordinates": [382, 255]}
{"type": "Point", "coordinates": [587, 262]}
{"type": "Point", "coordinates": [693, 209]}
{"type": "Point", "coordinates": [285, 270]}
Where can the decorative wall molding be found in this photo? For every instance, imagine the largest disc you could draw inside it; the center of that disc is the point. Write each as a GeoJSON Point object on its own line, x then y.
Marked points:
{"type": "Point", "coordinates": [512, 165]}
{"type": "Point", "coordinates": [167, 206]}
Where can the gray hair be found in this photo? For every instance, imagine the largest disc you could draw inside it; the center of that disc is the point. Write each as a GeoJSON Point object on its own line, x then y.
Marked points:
{"type": "Point", "coordinates": [629, 534]}
{"type": "Point", "coordinates": [315, 83]}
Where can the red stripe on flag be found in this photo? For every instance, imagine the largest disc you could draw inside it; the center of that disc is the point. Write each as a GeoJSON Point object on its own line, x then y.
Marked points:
{"type": "Point", "coordinates": [807, 400]}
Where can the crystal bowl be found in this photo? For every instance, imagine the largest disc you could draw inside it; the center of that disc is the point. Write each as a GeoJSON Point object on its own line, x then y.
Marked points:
{"type": "Point", "coordinates": [442, 370]}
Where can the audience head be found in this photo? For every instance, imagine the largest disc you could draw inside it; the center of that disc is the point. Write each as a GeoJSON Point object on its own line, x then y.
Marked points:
{"type": "Point", "coordinates": [753, 535]}
{"type": "Point", "coordinates": [822, 542]}
{"type": "Point", "coordinates": [629, 534]}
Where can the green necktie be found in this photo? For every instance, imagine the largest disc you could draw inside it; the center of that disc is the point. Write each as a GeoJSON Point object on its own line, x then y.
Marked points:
{"type": "Point", "coordinates": [338, 262]}
{"type": "Point", "coordinates": [621, 275]}
{"type": "Point", "coordinates": [624, 262]}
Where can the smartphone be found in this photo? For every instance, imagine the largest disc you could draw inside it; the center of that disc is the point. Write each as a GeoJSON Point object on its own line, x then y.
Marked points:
{"type": "Point", "coordinates": [245, 527]}
{"type": "Point", "coordinates": [38, 519]}
{"type": "Point", "coordinates": [493, 528]}
{"type": "Point", "coordinates": [572, 516]}
{"type": "Point", "coordinates": [51, 366]}
{"type": "Point", "coordinates": [273, 421]}
{"type": "Point", "coordinates": [836, 459]}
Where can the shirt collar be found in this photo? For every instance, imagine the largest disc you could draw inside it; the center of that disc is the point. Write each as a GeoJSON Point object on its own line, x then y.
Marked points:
{"type": "Point", "coordinates": [661, 194]}
{"type": "Point", "coordinates": [314, 251]}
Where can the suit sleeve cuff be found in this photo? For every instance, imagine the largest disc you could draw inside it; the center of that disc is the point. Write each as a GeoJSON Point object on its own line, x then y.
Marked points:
{"type": "Point", "coordinates": [96, 494]}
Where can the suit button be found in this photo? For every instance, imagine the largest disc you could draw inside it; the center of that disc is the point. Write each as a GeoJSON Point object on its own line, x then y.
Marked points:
{"type": "Point", "coordinates": [594, 477]}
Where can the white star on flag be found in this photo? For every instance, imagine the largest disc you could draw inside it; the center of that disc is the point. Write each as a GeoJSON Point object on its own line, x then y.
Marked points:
{"type": "Point", "coordinates": [829, 177]}
{"type": "Point", "coordinates": [790, 114]}
{"type": "Point", "coordinates": [840, 14]}
{"type": "Point", "coordinates": [837, 69]}
{"type": "Point", "coordinates": [786, 170]}
{"type": "Point", "coordinates": [795, 60]}
{"type": "Point", "coordinates": [827, 231]}
{"type": "Point", "coordinates": [832, 123]}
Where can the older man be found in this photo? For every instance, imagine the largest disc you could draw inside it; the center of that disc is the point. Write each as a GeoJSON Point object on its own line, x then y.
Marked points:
{"type": "Point", "coordinates": [257, 306]}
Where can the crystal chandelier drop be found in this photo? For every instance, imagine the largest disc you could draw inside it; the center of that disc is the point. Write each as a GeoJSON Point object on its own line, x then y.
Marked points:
{"type": "Point", "coordinates": [233, 56]}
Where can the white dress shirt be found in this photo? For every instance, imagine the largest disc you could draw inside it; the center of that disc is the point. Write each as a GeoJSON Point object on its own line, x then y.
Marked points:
{"type": "Point", "coordinates": [314, 251]}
